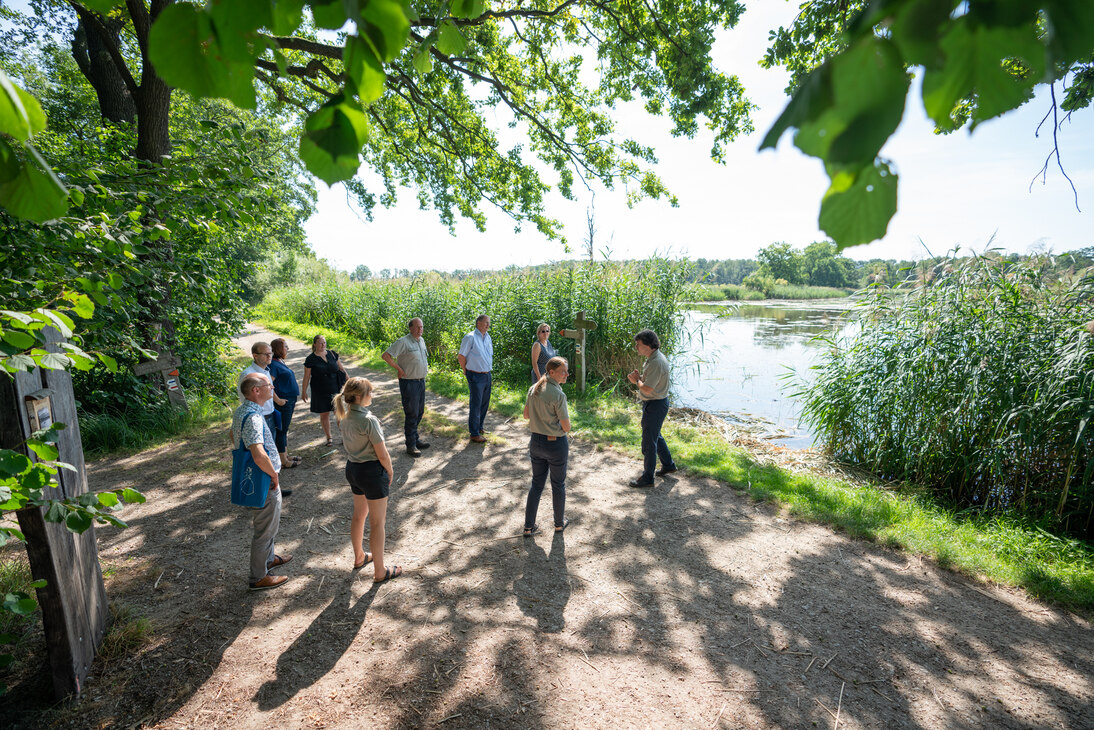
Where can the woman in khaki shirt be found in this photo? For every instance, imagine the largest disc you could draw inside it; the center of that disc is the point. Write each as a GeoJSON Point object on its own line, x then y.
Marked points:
{"type": "Point", "coordinates": [548, 448]}
{"type": "Point", "coordinates": [369, 473]}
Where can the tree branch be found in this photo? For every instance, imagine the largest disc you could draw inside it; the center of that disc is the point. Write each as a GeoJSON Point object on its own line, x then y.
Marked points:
{"type": "Point", "coordinates": [433, 22]}
{"type": "Point", "coordinates": [94, 22]}
{"type": "Point", "coordinates": [1043, 172]}
{"type": "Point", "coordinates": [292, 43]}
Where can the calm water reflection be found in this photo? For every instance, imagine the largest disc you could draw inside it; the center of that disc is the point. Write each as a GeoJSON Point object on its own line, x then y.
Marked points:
{"type": "Point", "coordinates": [737, 361]}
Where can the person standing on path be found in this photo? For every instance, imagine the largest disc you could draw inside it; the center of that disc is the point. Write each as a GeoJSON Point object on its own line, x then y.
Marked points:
{"type": "Point", "coordinates": [288, 390]}
{"type": "Point", "coordinates": [542, 351]}
{"type": "Point", "coordinates": [251, 429]}
{"type": "Point", "coordinates": [410, 358]}
{"type": "Point", "coordinates": [653, 390]}
{"type": "Point", "coordinates": [369, 473]}
{"type": "Point", "coordinates": [321, 370]}
{"type": "Point", "coordinates": [476, 358]}
{"type": "Point", "coordinates": [548, 447]}
{"type": "Point", "coordinates": [262, 353]}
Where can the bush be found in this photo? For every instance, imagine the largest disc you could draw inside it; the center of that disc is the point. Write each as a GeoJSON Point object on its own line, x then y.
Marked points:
{"type": "Point", "coordinates": [978, 381]}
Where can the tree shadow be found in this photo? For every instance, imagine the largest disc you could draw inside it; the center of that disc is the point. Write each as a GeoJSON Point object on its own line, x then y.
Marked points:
{"type": "Point", "coordinates": [544, 589]}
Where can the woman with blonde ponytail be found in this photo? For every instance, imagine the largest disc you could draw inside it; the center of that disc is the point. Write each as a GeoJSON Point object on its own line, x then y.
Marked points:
{"type": "Point", "coordinates": [548, 448]}
{"type": "Point", "coordinates": [369, 473]}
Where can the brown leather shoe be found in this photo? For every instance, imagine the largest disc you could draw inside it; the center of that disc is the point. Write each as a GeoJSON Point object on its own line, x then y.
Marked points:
{"type": "Point", "coordinates": [479, 439]}
{"type": "Point", "coordinates": [270, 581]}
{"type": "Point", "coordinates": [278, 560]}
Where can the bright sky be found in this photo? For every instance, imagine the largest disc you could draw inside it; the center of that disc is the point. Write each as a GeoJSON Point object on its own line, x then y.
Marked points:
{"type": "Point", "coordinates": [958, 190]}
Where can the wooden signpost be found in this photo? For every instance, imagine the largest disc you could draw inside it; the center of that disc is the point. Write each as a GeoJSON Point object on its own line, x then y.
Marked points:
{"type": "Point", "coordinates": [577, 334]}
{"type": "Point", "coordinates": [168, 365]}
{"type": "Point", "coordinates": [73, 602]}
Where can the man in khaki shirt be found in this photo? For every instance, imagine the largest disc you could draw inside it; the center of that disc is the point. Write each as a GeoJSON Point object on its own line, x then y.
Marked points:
{"type": "Point", "coordinates": [653, 390]}
{"type": "Point", "coordinates": [409, 357]}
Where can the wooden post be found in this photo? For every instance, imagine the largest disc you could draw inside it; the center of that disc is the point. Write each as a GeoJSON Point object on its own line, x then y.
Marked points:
{"type": "Point", "coordinates": [74, 607]}
{"type": "Point", "coordinates": [167, 364]}
{"type": "Point", "coordinates": [577, 333]}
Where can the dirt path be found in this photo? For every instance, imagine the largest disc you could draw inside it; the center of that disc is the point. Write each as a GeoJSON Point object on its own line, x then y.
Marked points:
{"type": "Point", "coordinates": [686, 605]}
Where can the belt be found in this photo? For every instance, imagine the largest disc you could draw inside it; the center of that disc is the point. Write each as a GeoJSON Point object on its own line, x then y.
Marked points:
{"type": "Point", "coordinates": [479, 372]}
{"type": "Point", "coordinates": [412, 380]}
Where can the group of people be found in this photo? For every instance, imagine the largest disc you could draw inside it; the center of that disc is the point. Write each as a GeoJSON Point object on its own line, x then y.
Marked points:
{"type": "Point", "coordinates": [269, 391]}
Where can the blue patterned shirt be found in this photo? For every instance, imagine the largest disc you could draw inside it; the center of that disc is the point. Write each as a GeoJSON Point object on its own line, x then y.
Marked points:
{"type": "Point", "coordinates": [248, 424]}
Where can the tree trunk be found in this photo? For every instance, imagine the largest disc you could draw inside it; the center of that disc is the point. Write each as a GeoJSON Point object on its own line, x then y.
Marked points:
{"type": "Point", "coordinates": [90, 51]}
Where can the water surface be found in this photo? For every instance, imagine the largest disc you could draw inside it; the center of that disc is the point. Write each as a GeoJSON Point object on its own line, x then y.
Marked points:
{"type": "Point", "coordinates": [737, 362]}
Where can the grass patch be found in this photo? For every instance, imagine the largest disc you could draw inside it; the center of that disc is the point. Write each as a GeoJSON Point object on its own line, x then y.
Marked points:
{"type": "Point", "coordinates": [739, 293]}
{"type": "Point", "coordinates": [15, 577]}
{"type": "Point", "coordinates": [135, 430]}
{"type": "Point", "coordinates": [997, 549]}
{"type": "Point", "coordinates": [127, 633]}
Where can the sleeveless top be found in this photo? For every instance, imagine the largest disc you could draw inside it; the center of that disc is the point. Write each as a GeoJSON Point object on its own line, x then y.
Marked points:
{"type": "Point", "coordinates": [546, 352]}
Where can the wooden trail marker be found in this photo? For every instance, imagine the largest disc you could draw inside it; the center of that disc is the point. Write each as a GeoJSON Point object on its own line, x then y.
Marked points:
{"type": "Point", "coordinates": [73, 602]}
{"type": "Point", "coordinates": [168, 365]}
{"type": "Point", "coordinates": [577, 334]}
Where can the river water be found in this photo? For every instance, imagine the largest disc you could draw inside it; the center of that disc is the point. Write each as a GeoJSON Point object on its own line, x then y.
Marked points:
{"type": "Point", "coordinates": [740, 359]}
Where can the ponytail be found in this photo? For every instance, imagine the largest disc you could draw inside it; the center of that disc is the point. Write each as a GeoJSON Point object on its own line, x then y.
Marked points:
{"type": "Point", "coordinates": [553, 364]}
{"type": "Point", "coordinates": [354, 391]}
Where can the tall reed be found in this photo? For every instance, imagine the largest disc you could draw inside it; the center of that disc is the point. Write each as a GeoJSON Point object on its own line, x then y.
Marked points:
{"type": "Point", "coordinates": [976, 380]}
{"type": "Point", "coordinates": [621, 298]}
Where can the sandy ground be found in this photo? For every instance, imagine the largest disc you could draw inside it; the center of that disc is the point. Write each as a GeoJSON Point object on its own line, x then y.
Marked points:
{"type": "Point", "coordinates": [686, 605]}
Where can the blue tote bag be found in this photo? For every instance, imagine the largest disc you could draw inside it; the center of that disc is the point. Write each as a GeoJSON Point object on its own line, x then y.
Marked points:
{"type": "Point", "coordinates": [250, 485]}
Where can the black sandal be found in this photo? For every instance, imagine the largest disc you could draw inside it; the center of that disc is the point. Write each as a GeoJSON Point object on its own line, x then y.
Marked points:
{"type": "Point", "coordinates": [565, 524]}
{"type": "Point", "coordinates": [389, 573]}
{"type": "Point", "coordinates": [529, 531]}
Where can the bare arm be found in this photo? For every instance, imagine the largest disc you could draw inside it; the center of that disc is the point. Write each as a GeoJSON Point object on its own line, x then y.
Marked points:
{"type": "Point", "coordinates": [565, 424]}
{"type": "Point", "coordinates": [535, 359]}
{"type": "Point", "coordinates": [391, 361]}
{"type": "Point", "coordinates": [263, 462]}
{"type": "Point", "coordinates": [385, 459]}
{"type": "Point", "coordinates": [463, 363]}
{"type": "Point", "coordinates": [304, 385]}
{"type": "Point", "coordinates": [526, 416]}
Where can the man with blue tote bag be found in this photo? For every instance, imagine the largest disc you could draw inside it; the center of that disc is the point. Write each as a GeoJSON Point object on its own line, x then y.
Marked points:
{"type": "Point", "coordinates": [250, 431]}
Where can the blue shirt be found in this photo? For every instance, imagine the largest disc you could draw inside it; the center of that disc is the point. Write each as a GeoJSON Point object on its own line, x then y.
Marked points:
{"type": "Point", "coordinates": [478, 348]}
{"type": "Point", "coordinates": [268, 406]}
{"type": "Point", "coordinates": [249, 426]}
{"type": "Point", "coordinates": [284, 380]}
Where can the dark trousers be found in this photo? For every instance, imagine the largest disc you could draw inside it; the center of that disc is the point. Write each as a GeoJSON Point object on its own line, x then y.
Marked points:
{"type": "Point", "coordinates": [412, 393]}
{"type": "Point", "coordinates": [653, 445]}
{"type": "Point", "coordinates": [479, 386]}
{"type": "Point", "coordinates": [281, 433]}
{"type": "Point", "coordinates": [547, 456]}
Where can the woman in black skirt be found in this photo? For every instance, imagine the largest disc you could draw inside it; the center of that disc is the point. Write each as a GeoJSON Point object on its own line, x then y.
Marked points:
{"type": "Point", "coordinates": [321, 370]}
{"type": "Point", "coordinates": [369, 473]}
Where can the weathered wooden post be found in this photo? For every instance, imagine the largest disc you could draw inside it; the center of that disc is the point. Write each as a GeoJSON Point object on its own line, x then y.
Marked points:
{"type": "Point", "coordinates": [577, 333]}
{"type": "Point", "coordinates": [168, 365]}
{"type": "Point", "coordinates": [73, 602]}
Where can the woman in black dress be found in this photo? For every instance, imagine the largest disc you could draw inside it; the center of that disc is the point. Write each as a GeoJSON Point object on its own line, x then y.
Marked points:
{"type": "Point", "coordinates": [321, 370]}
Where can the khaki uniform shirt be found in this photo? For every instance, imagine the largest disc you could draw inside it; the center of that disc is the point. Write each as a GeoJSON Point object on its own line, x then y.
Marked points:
{"type": "Point", "coordinates": [361, 431]}
{"type": "Point", "coordinates": [547, 409]}
{"type": "Point", "coordinates": [655, 374]}
{"type": "Point", "coordinates": [411, 355]}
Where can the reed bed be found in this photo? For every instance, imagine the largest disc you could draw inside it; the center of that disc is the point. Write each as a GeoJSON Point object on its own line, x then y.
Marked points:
{"type": "Point", "coordinates": [621, 298]}
{"type": "Point", "coordinates": [977, 380]}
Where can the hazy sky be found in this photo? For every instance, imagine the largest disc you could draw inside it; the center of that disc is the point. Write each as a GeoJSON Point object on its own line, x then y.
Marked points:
{"type": "Point", "coordinates": [955, 190]}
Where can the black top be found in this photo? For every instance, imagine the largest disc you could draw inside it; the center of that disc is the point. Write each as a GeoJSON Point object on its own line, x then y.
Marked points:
{"type": "Point", "coordinates": [324, 374]}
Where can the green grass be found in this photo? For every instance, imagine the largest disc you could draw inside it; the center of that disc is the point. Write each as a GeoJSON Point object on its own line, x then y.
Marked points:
{"type": "Point", "coordinates": [735, 292]}
{"type": "Point", "coordinates": [14, 577]}
{"type": "Point", "coordinates": [1000, 550]}
{"type": "Point", "coordinates": [127, 633]}
{"type": "Point", "coordinates": [137, 429]}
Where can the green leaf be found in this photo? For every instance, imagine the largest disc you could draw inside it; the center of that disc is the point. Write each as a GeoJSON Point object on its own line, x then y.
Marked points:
{"type": "Point", "coordinates": [20, 604]}
{"type": "Point", "coordinates": [332, 140]}
{"type": "Point", "coordinates": [1070, 30]}
{"type": "Point", "coordinates": [100, 6]}
{"type": "Point", "coordinates": [973, 65]}
{"type": "Point", "coordinates": [19, 339]}
{"type": "Point", "coordinates": [467, 8]}
{"type": "Point", "coordinates": [287, 15]}
{"type": "Point", "coordinates": [9, 163]}
{"type": "Point", "coordinates": [132, 496]}
{"type": "Point", "coordinates": [235, 23]}
{"type": "Point", "coordinates": [108, 499]}
{"type": "Point", "coordinates": [21, 115]}
{"type": "Point", "coordinates": [60, 320]}
{"type": "Point", "coordinates": [34, 193]}
{"type": "Point", "coordinates": [78, 522]}
{"type": "Point", "coordinates": [44, 451]}
{"type": "Point", "coordinates": [110, 363]}
{"type": "Point", "coordinates": [859, 204]}
{"type": "Point", "coordinates": [423, 61]}
{"type": "Point", "coordinates": [385, 25]}
{"type": "Point", "coordinates": [42, 583]}
{"type": "Point", "coordinates": [364, 69]}
{"type": "Point", "coordinates": [76, 196]}
{"type": "Point", "coordinates": [329, 14]}
{"type": "Point", "coordinates": [186, 53]}
{"type": "Point", "coordinates": [13, 463]}
{"type": "Point", "coordinates": [55, 512]}
{"type": "Point", "coordinates": [449, 39]}
{"type": "Point", "coordinates": [81, 305]}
